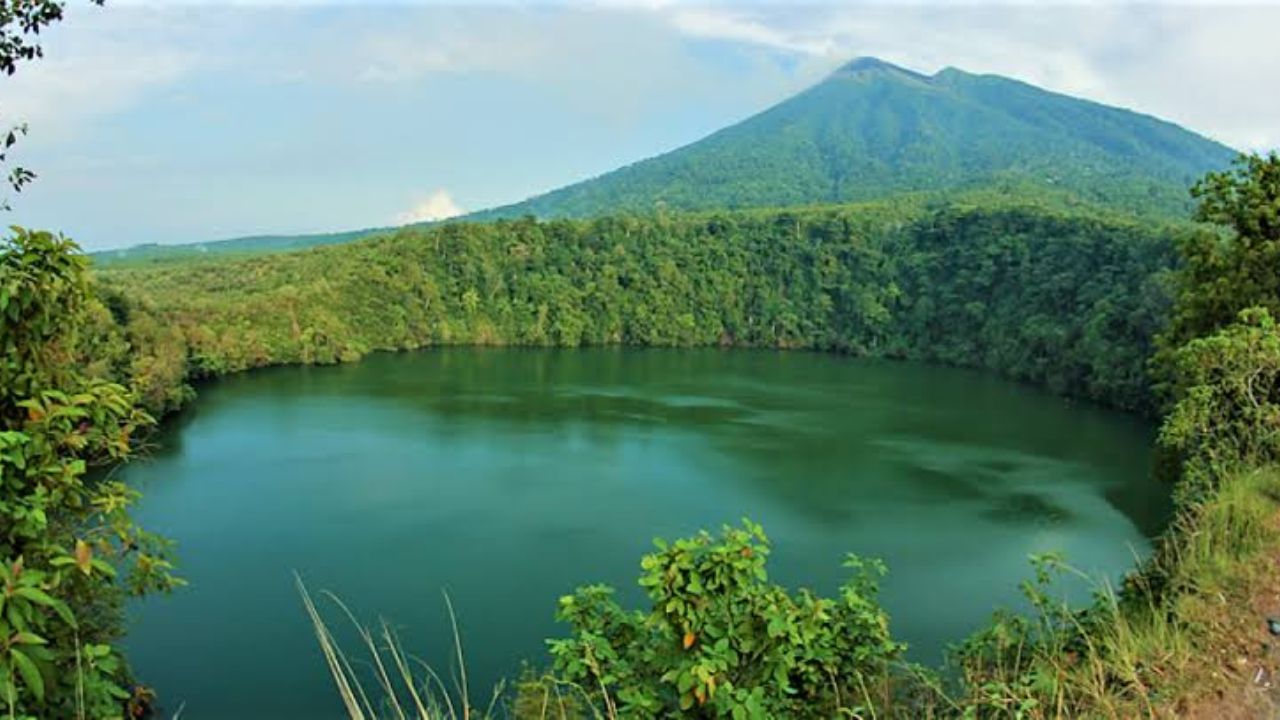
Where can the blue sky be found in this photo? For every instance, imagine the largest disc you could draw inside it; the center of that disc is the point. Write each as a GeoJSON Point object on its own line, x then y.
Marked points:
{"type": "Point", "coordinates": [179, 121]}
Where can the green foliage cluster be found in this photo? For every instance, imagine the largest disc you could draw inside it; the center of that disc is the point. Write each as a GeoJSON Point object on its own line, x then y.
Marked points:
{"type": "Point", "coordinates": [873, 130]}
{"type": "Point", "coordinates": [1227, 418]}
{"type": "Point", "coordinates": [1230, 264]}
{"type": "Point", "coordinates": [68, 548]}
{"type": "Point", "coordinates": [720, 641]}
{"type": "Point", "coordinates": [1066, 299]}
{"type": "Point", "coordinates": [1000, 669]}
{"type": "Point", "coordinates": [1219, 360]}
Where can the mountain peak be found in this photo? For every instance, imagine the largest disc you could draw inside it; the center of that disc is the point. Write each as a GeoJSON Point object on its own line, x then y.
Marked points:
{"type": "Point", "coordinates": [873, 129]}
{"type": "Point", "coordinates": [867, 65]}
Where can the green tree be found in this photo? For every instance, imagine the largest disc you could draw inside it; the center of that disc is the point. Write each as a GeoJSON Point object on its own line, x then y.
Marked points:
{"type": "Point", "coordinates": [68, 547]}
{"type": "Point", "coordinates": [721, 641]}
{"type": "Point", "coordinates": [1234, 265]}
{"type": "Point", "coordinates": [1227, 418]}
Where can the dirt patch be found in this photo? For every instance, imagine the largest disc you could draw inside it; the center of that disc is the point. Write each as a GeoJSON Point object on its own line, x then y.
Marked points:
{"type": "Point", "coordinates": [1241, 665]}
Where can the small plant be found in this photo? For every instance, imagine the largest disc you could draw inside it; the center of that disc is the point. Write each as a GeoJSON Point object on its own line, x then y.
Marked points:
{"type": "Point", "coordinates": [720, 641]}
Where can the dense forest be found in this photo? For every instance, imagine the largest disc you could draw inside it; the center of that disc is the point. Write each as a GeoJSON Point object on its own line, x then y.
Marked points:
{"type": "Point", "coordinates": [1070, 300]}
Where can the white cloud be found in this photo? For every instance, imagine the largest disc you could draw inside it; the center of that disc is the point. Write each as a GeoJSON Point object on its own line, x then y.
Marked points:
{"type": "Point", "coordinates": [1199, 65]}
{"type": "Point", "coordinates": [739, 26]}
{"type": "Point", "coordinates": [439, 205]}
{"type": "Point", "coordinates": [95, 63]}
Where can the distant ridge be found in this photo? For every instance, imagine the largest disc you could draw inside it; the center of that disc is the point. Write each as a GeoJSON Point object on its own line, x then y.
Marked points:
{"type": "Point", "coordinates": [249, 245]}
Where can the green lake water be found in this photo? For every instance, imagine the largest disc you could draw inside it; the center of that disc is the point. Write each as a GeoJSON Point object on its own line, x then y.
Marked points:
{"type": "Point", "coordinates": [509, 477]}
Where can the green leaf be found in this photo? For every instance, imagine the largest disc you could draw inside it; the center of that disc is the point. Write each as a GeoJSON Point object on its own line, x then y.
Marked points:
{"type": "Point", "coordinates": [40, 597]}
{"type": "Point", "coordinates": [26, 638]}
{"type": "Point", "coordinates": [30, 673]}
{"type": "Point", "coordinates": [103, 567]}
{"type": "Point", "coordinates": [97, 651]}
{"type": "Point", "coordinates": [35, 595]}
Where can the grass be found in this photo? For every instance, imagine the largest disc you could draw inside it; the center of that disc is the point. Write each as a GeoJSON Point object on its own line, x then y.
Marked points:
{"type": "Point", "coordinates": [1183, 630]}
{"type": "Point", "coordinates": [382, 683]}
{"type": "Point", "coordinates": [399, 694]}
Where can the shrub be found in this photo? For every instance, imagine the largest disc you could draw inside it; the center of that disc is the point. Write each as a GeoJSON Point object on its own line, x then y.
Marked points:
{"type": "Point", "coordinates": [68, 548]}
{"type": "Point", "coordinates": [1227, 417]}
{"type": "Point", "coordinates": [720, 641]}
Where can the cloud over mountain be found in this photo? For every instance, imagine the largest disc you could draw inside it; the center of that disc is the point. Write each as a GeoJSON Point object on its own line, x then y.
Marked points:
{"type": "Point", "coordinates": [439, 205]}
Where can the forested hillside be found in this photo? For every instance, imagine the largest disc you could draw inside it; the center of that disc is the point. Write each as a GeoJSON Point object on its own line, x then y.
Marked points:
{"type": "Point", "coordinates": [153, 253]}
{"type": "Point", "coordinates": [1070, 300]}
{"type": "Point", "coordinates": [873, 129]}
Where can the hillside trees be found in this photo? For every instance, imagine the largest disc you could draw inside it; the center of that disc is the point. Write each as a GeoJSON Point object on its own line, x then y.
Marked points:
{"type": "Point", "coordinates": [69, 550]}
{"type": "Point", "coordinates": [1070, 300]}
{"type": "Point", "coordinates": [1236, 264]}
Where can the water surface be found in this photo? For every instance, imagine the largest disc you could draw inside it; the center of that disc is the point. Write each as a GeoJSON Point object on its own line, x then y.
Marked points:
{"type": "Point", "coordinates": [509, 477]}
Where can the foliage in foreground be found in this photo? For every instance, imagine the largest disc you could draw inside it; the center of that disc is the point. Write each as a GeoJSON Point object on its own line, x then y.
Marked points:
{"type": "Point", "coordinates": [720, 640]}
{"type": "Point", "coordinates": [393, 688]}
{"type": "Point", "coordinates": [1228, 416]}
{"type": "Point", "coordinates": [1138, 651]}
{"type": "Point", "coordinates": [68, 548]}
{"type": "Point", "coordinates": [1231, 264]}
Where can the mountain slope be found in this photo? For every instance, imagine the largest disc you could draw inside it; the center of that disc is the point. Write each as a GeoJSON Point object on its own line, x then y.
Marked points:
{"type": "Point", "coordinates": [872, 130]}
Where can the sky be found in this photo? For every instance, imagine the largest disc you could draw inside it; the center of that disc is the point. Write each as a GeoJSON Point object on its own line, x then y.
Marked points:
{"type": "Point", "coordinates": [178, 121]}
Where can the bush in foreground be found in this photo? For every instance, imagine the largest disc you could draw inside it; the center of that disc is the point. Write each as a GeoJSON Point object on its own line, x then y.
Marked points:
{"type": "Point", "coordinates": [719, 640]}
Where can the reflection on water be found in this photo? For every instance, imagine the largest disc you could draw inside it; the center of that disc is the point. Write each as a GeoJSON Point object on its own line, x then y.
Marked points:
{"type": "Point", "coordinates": [508, 477]}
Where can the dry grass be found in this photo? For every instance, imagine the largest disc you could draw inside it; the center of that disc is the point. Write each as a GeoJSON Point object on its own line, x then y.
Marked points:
{"type": "Point", "coordinates": [395, 692]}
